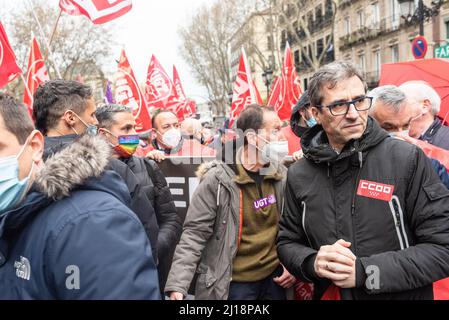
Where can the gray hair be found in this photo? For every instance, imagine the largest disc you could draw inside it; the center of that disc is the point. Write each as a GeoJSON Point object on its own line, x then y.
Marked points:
{"type": "Point", "coordinates": [105, 114]}
{"type": "Point", "coordinates": [420, 91]}
{"type": "Point", "coordinates": [390, 95]}
{"type": "Point", "coordinates": [329, 76]}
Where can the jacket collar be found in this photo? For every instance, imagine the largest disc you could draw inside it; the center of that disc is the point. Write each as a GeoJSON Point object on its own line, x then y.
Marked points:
{"type": "Point", "coordinates": [432, 130]}
{"type": "Point", "coordinates": [316, 147]}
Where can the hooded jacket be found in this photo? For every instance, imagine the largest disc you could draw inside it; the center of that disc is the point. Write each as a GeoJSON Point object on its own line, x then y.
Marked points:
{"type": "Point", "coordinates": [209, 240]}
{"type": "Point", "coordinates": [382, 195]}
{"type": "Point", "coordinates": [73, 237]}
{"type": "Point", "coordinates": [140, 204]}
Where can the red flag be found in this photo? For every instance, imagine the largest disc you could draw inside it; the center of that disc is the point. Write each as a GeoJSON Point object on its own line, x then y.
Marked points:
{"type": "Point", "coordinates": [159, 89]}
{"type": "Point", "coordinates": [68, 7]}
{"type": "Point", "coordinates": [289, 89]}
{"type": "Point", "coordinates": [258, 96]}
{"type": "Point", "coordinates": [244, 90]}
{"type": "Point", "coordinates": [79, 78]}
{"type": "Point", "coordinates": [275, 92]}
{"type": "Point", "coordinates": [36, 74]}
{"type": "Point", "coordinates": [98, 11]}
{"type": "Point", "coordinates": [185, 107]}
{"type": "Point", "coordinates": [128, 93]}
{"type": "Point", "coordinates": [178, 86]}
{"type": "Point", "coordinates": [9, 70]}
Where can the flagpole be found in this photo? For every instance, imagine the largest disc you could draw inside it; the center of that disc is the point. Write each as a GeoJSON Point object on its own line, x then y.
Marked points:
{"type": "Point", "coordinates": [41, 30]}
{"type": "Point", "coordinates": [53, 32]}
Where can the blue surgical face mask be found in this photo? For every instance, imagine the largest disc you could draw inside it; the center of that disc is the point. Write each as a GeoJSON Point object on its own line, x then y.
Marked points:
{"type": "Point", "coordinates": [400, 133]}
{"type": "Point", "coordinates": [311, 122]}
{"type": "Point", "coordinates": [92, 130]}
{"type": "Point", "coordinates": [12, 189]}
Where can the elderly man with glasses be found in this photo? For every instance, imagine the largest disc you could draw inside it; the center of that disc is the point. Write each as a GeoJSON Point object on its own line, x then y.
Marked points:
{"type": "Point", "coordinates": [365, 215]}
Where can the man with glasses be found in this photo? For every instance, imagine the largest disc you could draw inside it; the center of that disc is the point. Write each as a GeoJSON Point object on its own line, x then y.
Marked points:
{"type": "Point", "coordinates": [365, 215]}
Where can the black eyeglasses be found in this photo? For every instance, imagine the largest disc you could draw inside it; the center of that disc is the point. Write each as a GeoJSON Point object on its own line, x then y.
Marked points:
{"type": "Point", "coordinates": [342, 108]}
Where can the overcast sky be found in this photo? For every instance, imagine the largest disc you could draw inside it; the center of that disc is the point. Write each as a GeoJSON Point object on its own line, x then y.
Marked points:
{"type": "Point", "coordinates": [151, 28]}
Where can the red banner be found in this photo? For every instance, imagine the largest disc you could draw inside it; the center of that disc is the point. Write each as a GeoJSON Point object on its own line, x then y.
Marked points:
{"type": "Point", "coordinates": [36, 74]}
{"type": "Point", "coordinates": [9, 70]}
{"type": "Point", "coordinates": [275, 93]}
{"type": "Point", "coordinates": [128, 93]}
{"type": "Point", "coordinates": [289, 88]}
{"type": "Point", "coordinates": [244, 90]}
{"type": "Point", "coordinates": [98, 11]}
{"type": "Point", "coordinates": [185, 107]}
{"type": "Point", "coordinates": [159, 89]}
{"type": "Point", "coordinates": [68, 7]}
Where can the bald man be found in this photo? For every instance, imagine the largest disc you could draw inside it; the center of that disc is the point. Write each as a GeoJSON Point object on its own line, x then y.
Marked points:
{"type": "Point", "coordinates": [191, 128]}
{"type": "Point", "coordinates": [193, 140]}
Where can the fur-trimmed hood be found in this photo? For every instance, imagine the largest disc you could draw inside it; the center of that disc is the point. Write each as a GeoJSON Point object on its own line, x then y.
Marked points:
{"type": "Point", "coordinates": [72, 166]}
{"type": "Point", "coordinates": [80, 165]}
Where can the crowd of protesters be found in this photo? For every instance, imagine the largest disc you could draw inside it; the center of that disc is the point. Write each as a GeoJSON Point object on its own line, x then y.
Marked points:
{"type": "Point", "coordinates": [361, 212]}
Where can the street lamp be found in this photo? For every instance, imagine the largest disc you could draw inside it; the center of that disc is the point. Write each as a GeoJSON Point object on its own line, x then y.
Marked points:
{"type": "Point", "coordinates": [267, 77]}
{"type": "Point", "coordinates": [423, 13]}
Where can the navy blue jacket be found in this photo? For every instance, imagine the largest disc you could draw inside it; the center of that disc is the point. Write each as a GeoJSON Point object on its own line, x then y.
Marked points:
{"type": "Point", "coordinates": [87, 245]}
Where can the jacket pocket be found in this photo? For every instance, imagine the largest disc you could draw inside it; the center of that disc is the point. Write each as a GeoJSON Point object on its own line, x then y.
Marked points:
{"type": "Point", "coordinates": [436, 191]}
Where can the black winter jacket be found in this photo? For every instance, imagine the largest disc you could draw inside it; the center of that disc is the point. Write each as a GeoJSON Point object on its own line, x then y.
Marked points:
{"type": "Point", "coordinates": [404, 236]}
{"type": "Point", "coordinates": [152, 182]}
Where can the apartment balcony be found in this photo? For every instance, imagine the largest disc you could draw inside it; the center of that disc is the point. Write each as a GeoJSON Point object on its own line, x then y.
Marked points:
{"type": "Point", "coordinates": [363, 34]}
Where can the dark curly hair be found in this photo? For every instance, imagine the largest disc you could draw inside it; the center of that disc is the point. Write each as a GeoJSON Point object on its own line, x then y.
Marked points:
{"type": "Point", "coordinates": [55, 97]}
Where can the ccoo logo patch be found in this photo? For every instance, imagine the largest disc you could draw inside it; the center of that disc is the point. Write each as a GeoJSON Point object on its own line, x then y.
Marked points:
{"type": "Point", "coordinates": [375, 190]}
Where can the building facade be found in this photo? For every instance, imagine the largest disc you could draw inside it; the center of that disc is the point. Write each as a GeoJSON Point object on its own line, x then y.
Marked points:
{"type": "Point", "coordinates": [373, 32]}
{"type": "Point", "coordinates": [318, 17]}
{"type": "Point", "coordinates": [368, 33]}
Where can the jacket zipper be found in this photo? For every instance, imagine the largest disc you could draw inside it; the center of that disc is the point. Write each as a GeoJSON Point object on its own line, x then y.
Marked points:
{"type": "Point", "coordinates": [304, 222]}
{"type": "Point", "coordinates": [398, 218]}
{"type": "Point", "coordinates": [359, 171]}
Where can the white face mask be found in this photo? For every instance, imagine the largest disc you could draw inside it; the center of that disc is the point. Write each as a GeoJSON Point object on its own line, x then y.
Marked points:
{"type": "Point", "coordinates": [171, 138]}
{"type": "Point", "coordinates": [274, 151]}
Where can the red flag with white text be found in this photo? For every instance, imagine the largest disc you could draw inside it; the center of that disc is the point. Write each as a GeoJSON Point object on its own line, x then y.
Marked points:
{"type": "Point", "coordinates": [9, 70]}
{"type": "Point", "coordinates": [160, 92]}
{"type": "Point", "coordinates": [98, 11]}
{"type": "Point", "coordinates": [127, 92]}
{"type": "Point", "coordinates": [185, 107]}
{"type": "Point", "coordinates": [289, 87]}
{"type": "Point", "coordinates": [244, 92]}
{"type": "Point", "coordinates": [36, 74]}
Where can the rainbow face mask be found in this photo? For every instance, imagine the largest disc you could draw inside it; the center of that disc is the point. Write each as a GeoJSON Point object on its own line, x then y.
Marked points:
{"type": "Point", "coordinates": [127, 145]}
